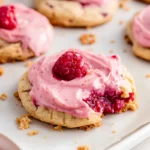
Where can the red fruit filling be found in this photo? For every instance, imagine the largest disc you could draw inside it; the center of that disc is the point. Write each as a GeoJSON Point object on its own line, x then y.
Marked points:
{"type": "Point", "coordinates": [70, 66]}
{"type": "Point", "coordinates": [7, 17]}
{"type": "Point", "coordinates": [108, 103]}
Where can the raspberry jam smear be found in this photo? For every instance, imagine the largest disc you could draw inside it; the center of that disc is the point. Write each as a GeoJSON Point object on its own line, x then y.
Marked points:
{"type": "Point", "coordinates": [70, 66]}
{"type": "Point", "coordinates": [7, 17]}
{"type": "Point", "coordinates": [108, 103]}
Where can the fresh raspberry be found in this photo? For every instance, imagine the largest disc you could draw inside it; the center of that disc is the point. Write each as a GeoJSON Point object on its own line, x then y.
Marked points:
{"type": "Point", "coordinates": [108, 103]}
{"type": "Point", "coordinates": [70, 66]}
{"type": "Point", "coordinates": [7, 17]}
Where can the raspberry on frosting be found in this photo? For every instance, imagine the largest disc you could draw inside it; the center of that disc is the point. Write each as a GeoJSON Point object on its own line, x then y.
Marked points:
{"type": "Point", "coordinates": [70, 66]}
{"type": "Point", "coordinates": [7, 17]}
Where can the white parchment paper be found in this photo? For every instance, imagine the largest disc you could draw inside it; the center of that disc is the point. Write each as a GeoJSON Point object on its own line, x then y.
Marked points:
{"type": "Point", "coordinates": [99, 138]}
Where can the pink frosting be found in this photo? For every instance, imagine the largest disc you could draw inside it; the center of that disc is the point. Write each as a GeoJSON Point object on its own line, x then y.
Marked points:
{"type": "Point", "coordinates": [99, 2]}
{"type": "Point", "coordinates": [67, 96]}
{"type": "Point", "coordinates": [141, 27]}
{"type": "Point", "coordinates": [33, 30]}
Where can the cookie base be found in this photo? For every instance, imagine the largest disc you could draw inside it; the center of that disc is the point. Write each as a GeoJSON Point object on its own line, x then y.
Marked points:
{"type": "Point", "coordinates": [138, 50]}
{"type": "Point", "coordinates": [10, 52]}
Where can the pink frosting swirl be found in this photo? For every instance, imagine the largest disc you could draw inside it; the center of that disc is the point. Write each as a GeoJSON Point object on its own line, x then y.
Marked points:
{"type": "Point", "coordinates": [67, 96]}
{"type": "Point", "coordinates": [141, 27]}
{"type": "Point", "coordinates": [33, 30]}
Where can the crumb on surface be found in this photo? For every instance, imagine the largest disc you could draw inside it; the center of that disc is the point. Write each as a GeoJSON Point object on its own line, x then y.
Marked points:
{"type": "Point", "coordinates": [123, 5]}
{"type": "Point", "coordinates": [124, 50]}
{"type": "Point", "coordinates": [111, 51]}
{"type": "Point", "coordinates": [120, 22]}
{"type": "Point", "coordinates": [3, 96]}
{"type": "Point", "coordinates": [24, 121]}
{"type": "Point", "coordinates": [89, 50]}
{"type": "Point", "coordinates": [126, 38]}
{"type": "Point", "coordinates": [58, 128]}
{"type": "Point", "coordinates": [83, 148]}
{"type": "Point", "coordinates": [29, 63]}
{"type": "Point", "coordinates": [32, 133]}
{"type": "Point", "coordinates": [89, 127]}
{"type": "Point", "coordinates": [102, 116]}
{"type": "Point", "coordinates": [114, 131]}
{"type": "Point", "coordinates": [87, 38]}
{"type": "Point", "coordinates": [147, 75]}
{"type": "Point", "coordinates": [1, 71]}
{"type": "Point", "coordinates": [16, 95]}
{"type": "Point", "coordinates": [112, 41]}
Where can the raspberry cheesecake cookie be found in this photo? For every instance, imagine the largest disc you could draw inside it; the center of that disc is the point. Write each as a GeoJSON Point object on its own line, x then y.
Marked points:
{"type": "Point", "coordinates": [138, 30]}
{"type": "Point", "coordinates": [77, 13]}
{"type": "Point", "coordinates": [24, 33]}
{"type": "Point", "coordinates": [75, 88]}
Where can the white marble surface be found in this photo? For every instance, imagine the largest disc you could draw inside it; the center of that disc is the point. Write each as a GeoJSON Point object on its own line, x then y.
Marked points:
{"type": "Point", "coordinates": [145, 145]}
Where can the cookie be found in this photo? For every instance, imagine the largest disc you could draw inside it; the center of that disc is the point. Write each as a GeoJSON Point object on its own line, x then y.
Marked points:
{"type": "Point", "coordinates": [19, 33]}
{"type": "Point", "coordinates": [54, 105]}
{"type": "Point", "coordinates": [137, 49]}
{"type": "Point", "coordinates": [75, 14]}
{"type": "Point", "coordinates": [59, 118]}
{"type": "Point", "coordinates": [137, 33]}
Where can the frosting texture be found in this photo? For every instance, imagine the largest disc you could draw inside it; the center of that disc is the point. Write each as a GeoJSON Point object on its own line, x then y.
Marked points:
{"type": "Point", "coordinates": [141, 27]}
{"type": "Point", "coordinates": [33, 30]}
{"type": "Point", "coordinates": [67, 96]}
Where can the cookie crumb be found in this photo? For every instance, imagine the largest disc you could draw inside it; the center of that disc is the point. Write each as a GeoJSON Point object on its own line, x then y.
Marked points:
{"type": "Point", "coordinates": [114, 131]}
{"type": "Point", "coordinates": [102, 116]}
{"type": "Point", "coordinates": [3, 96]}
{"type": "Point", "coordinates": [29, 64]}
{"type": "Point", "coordinates": [147, 75]}
{"type": "Point", "coordinates": [16, 95]}
{"type": "Point", "coordinates": [32, 133]}
{"type": "Point", "coordinates": [123, 5]}
{"type": "Point", "coordinates": [89, 50]}
{"type": "Point", "coordinates": [126, 38]}
{"type": "Point", "coordinates": [24, 121]}
{"type": "Point", "coordinates": [112, 41]}
{"type": "Point", "coordinates": [111, 51]}
{"type": "Point", "coordinates": [58, 128]}
{"type": "Point", "coordinates": [124, 50]}
{"type": "Point", "coordinates": [83, 148]}
{"type": "Point", "coordinates": [87, 38]}
{"type": "Point", "coordinates": [120, 22]}
{"type": "Point", "coordinates": [1, 71]}
{"type": "Point", "coordinates": [89, 127]}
